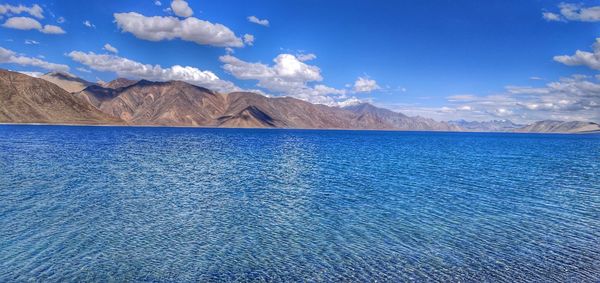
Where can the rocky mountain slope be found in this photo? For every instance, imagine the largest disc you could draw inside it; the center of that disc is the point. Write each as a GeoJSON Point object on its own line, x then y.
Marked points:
{"type": "Point", "coordinates": [386, 119]}
{"type": "Point", "coordinates": [25, 99]}
{"type": "Point", "coordinates": [181, 104]}
{"type": "Point", "coordinates": [68, 82]}
{"type": "Point", "coordinates": [550, 126]}
{"type": "Point", "coordinates": [118, 83]}
{"type": "Point", "coordinates": [487, 126]}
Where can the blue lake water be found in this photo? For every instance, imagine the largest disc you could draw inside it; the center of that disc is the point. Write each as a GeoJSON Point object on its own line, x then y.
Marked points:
{"type": "Point", "coordinates": [180, 205]}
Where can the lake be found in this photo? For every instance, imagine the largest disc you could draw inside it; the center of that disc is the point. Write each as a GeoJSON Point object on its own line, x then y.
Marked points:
{"type": "Point", "coordinates": [186, 204]}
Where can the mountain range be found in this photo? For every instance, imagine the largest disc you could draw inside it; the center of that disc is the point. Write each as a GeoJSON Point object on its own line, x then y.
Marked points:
{"type": "Point", "coordinates": [487, 126]}
{"type": "Point", "coordinates": [24, 99]}
{"type": "Point", "coordinates": [58, 98]}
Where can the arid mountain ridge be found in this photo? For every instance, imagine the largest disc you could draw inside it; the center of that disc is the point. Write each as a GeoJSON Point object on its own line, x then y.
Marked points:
{"type": "Point", "coordinates": [175, 103]}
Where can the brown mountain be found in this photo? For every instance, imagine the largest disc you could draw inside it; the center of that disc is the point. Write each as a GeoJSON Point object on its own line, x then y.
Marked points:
{"type": "Point", "coordinates": [487, 126]}
{"type": "Point", "coordinates": [118, 83]}
{"type": "Point", "coordinates": [181, 104]}
{"type": "Point", "coordinates": [68, 82]}
{"type": "Point", "coordinates": [284, 112]}
{"type": "Point", "coordinates": [157, 103]}
{"type": "Point", "coordinates": [368, 114]}
{"type": "Point", "coordinates": [24, 99]}
{"type": "Point", "coordinates": [550, 126]}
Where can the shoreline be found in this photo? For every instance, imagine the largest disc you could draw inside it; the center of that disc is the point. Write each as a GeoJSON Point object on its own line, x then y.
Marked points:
{"type": "Point", "coordinates": [302, 129]}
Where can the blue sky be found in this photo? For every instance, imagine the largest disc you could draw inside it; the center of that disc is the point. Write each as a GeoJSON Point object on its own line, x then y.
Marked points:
{"type": "Point", "coordinates": [477, 60]}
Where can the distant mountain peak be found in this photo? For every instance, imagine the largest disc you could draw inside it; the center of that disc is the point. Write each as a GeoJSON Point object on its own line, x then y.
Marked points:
{"type": "Point", "coordinates": [172, 84]}
{"type": "Point", "coordinates": [61, 74]}
{"type": "Point", "coordinates": [66, 81]}
{"type": "Point", "coordinates": [554, 126]}
{"type": "Point", "coordinates": [118, 83]}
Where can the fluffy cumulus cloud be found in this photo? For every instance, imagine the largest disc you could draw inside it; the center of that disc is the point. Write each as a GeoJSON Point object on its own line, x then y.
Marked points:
{"type": "Point", "coordinates": [574, 12]}
{"type": "Point", "coordinates": [26, 23]}
{"type": "Point", "coordinates": [255, 20]}
{"type": "Point", "coordinates": [159, 28]}
{"type": "Point", "coordinates": [131, 69]}
{"type": "Point", "coordinates": [364, 84]}
{"type": "Point", "coordinates": [181, 8]}
{"type": "Point", "coordinates": [110, 48]}
{"type": "Point", "coordinates": [10, 57]}
{"type": "Point", "coordinates": [287, 76]}
{"type": "Point", "coordinates": [157, 3]}
{"type": "Point", "coordinates": [22, 23]}
{"type": "Point", "coordinates": [583, 58]}
{"type": "Point", "coordinates": [34, 11]}
{"type": "Point", "coordinates": [51, 29]}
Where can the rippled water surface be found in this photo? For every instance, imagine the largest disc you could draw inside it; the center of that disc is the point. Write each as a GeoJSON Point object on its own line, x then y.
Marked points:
{"type": "Point", "coordinates": [178, 205]}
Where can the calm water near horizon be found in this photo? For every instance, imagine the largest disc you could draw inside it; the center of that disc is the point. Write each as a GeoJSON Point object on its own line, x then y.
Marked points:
{"type": "Point", "coordinates": [184, 204]}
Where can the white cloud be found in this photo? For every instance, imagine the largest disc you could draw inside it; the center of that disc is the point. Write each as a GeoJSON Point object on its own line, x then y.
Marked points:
{"type": "Point", "coordinates": [249, 39]}
{"type": "Point", "coordinates": [254, 19]}
{"type": "Point", "coordinates": [552, 17]}
{"type": "Point", "coordinates": [88, 24]}
{"type": "Point", "coordinates": [22, 23]}
{"type": "Point", "coordinates": [110, 48]}
{"type": "Point", "coordinates": [31, 42]}
{"type": "Point", "coordinates": [574, 12]}
{"type": "Point", "coordinates": [10, 57]}
{"type": "Point", "coordinates": [568, 99]}
{"type": "Point", "coordinates": [321, 89]}
{"type": "Point", "coordinates": [350, 101]}
{"type": "Point", "coordinates": [157, 3]}
{"type": "Point", "coordinates": [26, 23]}
{"type": "Point", "coordinates": [364, 84]}
{"type": "Point", "coordinates": [51, 29]}
{"type": "Point", "coordinates": [35, 10]}
{"type": "Point", "coordinates": [583, 58]}
{"type": "Point", "coordinates": [461, 97]}
{"type": "Point", "coordinates": [287, 76]}
{"type": "Point", "coordinates": [306, 57]}
{"type": "Point", "coordinates": [131, 69]}
{"type": "Point", "coordinates": [159, 28]}
{"type": "Point", "coordinates": [181, 8]}
{"type": "Point", "coordinates": [287, 70]}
